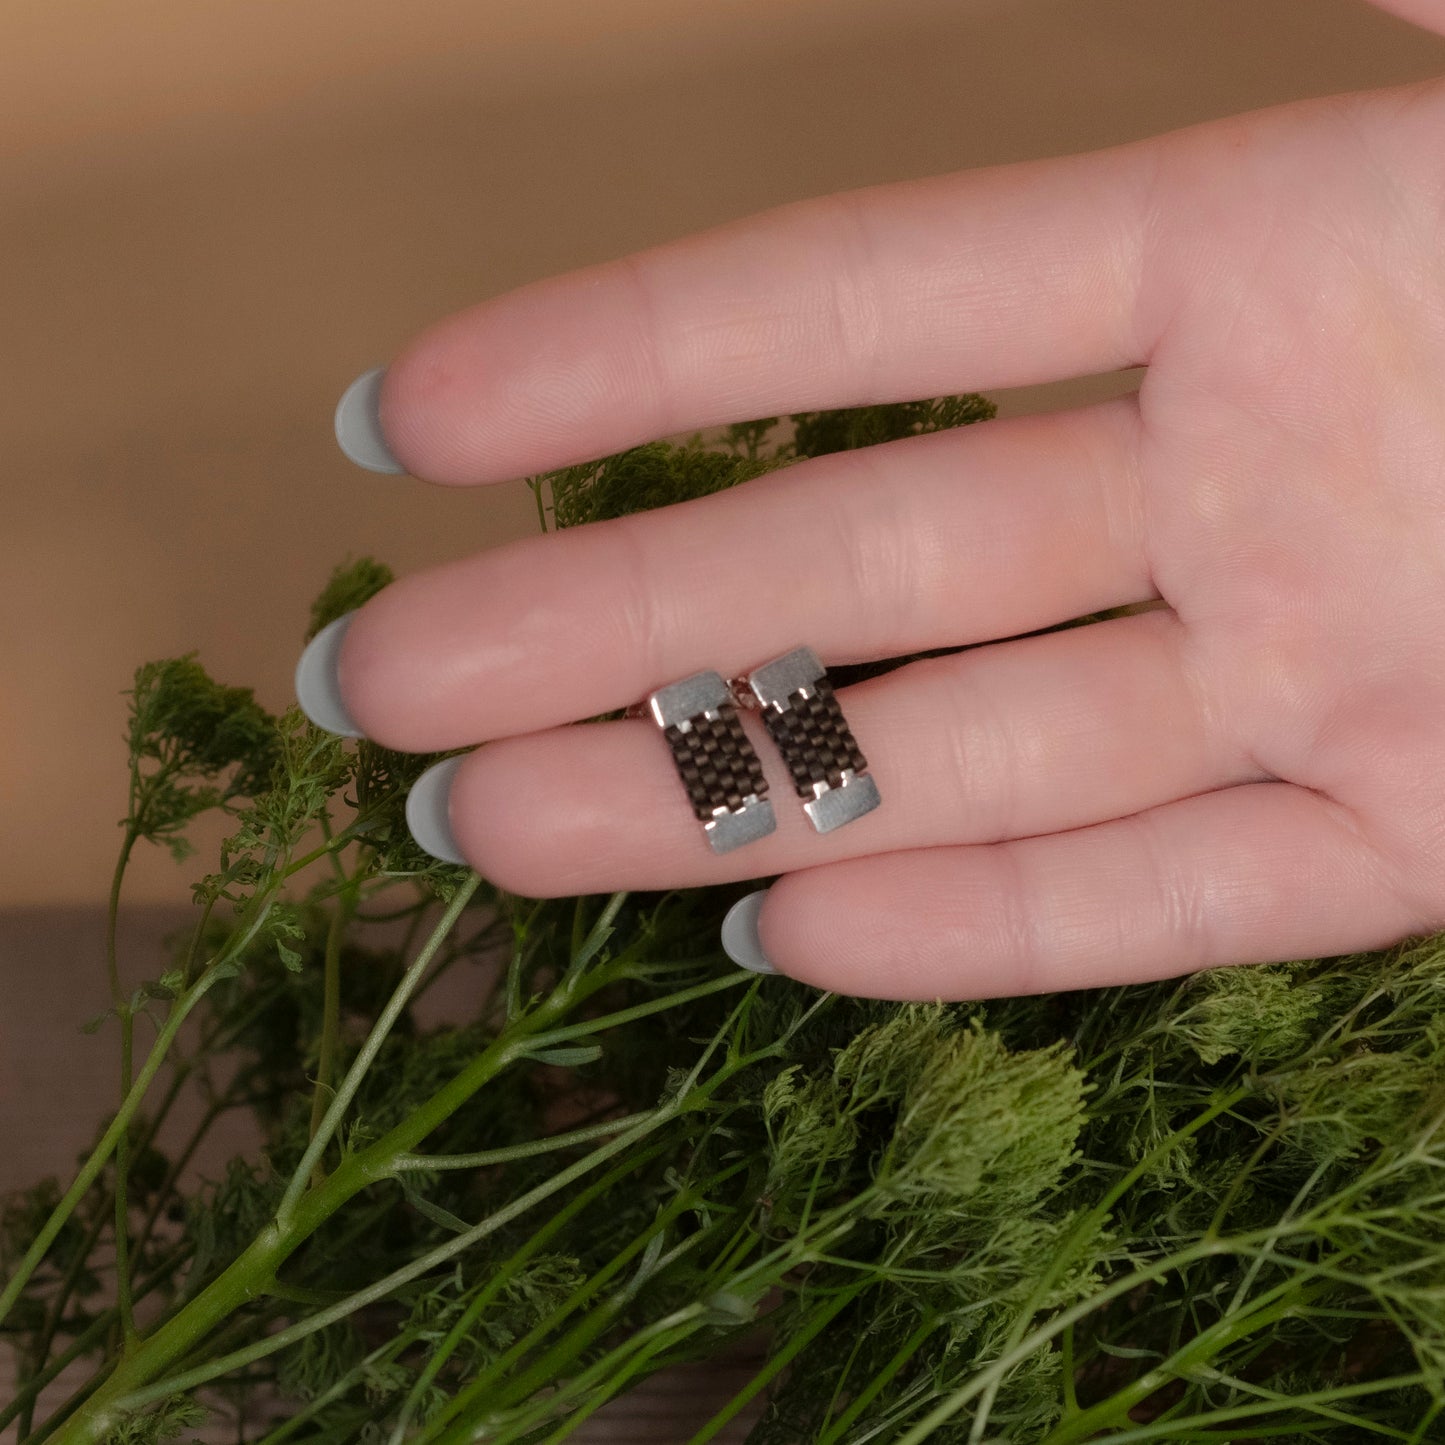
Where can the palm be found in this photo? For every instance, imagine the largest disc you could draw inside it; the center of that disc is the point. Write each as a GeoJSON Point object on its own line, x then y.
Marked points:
{"type": "Point", "coordinates": [1293, 463]}
{"type": "Point", "coordinates": [1244, 772]}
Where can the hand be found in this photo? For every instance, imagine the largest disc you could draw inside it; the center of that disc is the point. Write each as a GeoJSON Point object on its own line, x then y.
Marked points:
{"type": "Point", "coordinates": [1254, 770]}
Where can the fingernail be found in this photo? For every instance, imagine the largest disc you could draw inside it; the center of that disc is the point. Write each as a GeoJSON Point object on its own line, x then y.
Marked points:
{"type": "Point", "coordinates": [317, 689]}
{"type": "Point", "coordinates": [428, 811]}
{"type": "Point", "coordinates": [740, 939]}
{"type": "Point", "coordinates": [358, 424]}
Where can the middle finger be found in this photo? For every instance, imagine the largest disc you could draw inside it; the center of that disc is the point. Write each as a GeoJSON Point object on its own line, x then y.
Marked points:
{"type": "Point", "coordinates": [934, 541]}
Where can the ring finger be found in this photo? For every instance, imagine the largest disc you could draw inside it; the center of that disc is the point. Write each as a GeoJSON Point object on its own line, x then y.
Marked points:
{"type": "Point", "coordinates": [1033, 736]}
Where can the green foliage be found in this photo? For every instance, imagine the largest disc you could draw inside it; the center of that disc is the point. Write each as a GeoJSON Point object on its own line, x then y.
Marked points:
{"type": "Point", "coordinates": [194, 745]}
{"type": "Point", "coordinates": [1205, 1210]}
{"type": "Point", "coordinates": [660, 473]}
{"type": "Point", "coordinates": [157, 1425]}
{"type": "Point", "coordinates": [817, 433]}
{"type": "Point", "coordinates": [350, 585]}
{"type": "Point", "coordinates": [647, 476]}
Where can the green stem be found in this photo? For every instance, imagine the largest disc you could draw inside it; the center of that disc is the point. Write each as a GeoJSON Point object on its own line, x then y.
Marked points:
{"type": "Point", "coordinates": [119, 1125]}
{"type": "Point", "coordinates": [83, 1344]}
{"type": "Point", "coordinates": [1288, 1215]}
{"type": "Point", "coordinates": [1089, 1223]}
{"type": "Point", "coordinates": [525, 1390]}
{"type": "Point", "coordinates": [1421, 1436]}
{"type": "Point", "coordinates": [325, 1131]}
{"type": "Point", "coordinates": [173, 1174]}
{"type": "Point", "coordinates": [1222, 1415]}
{"type": "Point", "coordinates": [579, 931]}
{"type": "Point", "coordinates": [255, 1269]}
{"type": "Point", "coordinates": [406, 1163]}
{"type": "Point", "coordinates": [126, 1016]}
{"type": "Point", "coordinates": [838, 1429]}
{"type": "Point", "coordinates": [638, 1011]}
{"type": "Point", "coordinates": [81, 1258]}
{"type": "Point", "coordinates": [330, 1017]}
{"type": "Point", "coordinates": [535, 484]}
{"type": "Point", "coordinates": [302, 1212]}
{"type": "Point", "coordinates": [778, 1361]}
{"type": "Point", "coordinates": [122, 1199]}
{"type": "Point", "coordinates": [521, 1039]}
{"type": "Point", "coordinates": [22, 1407]}
{"type": "Point", "coordinates": [357, 828]}
{"type": "Point", "coordinates": [631, 1357]}
{"type": "Point", "coordinates": [354, 1376]}
{"type": "Point", "coordinates": [1219, 1381]}
{"type": "Point", "coordinates": [55, 1315]}
{"type": "Point", "coordinates": [841, 1384]}
{"type": "Point", "coordinates": [639, 1354]}
{"type": "Point", "coordinates": [1283, 1300]}
{"type": "Point", "coordinates": [498, 1281]}
{"type": "Point", "coordinates": [481, 1386]}
{"type": "Point", "coordinates": [265, 1255]}
{"type": "Point", "coordinates": [102, 1152]}
{"type": "Point", "coordinates": [112, 919]}
{"type": "Point", "coordinates": [23, 1403]}
{"type": "Point", "coordinates": [643, 1353]}
{"type": "Point", "coordinates": [525, 1405]}
{"type": "Point", "coordinates": [988, 1380]}
{"type": "Point", "coordinates": [197, 938]}
{"type": "Point", "coordinates": [1067, 1371]}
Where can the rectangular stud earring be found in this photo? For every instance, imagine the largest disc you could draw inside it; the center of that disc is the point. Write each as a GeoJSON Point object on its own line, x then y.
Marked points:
{"type": "Point", "coordinates": [717, 763]}
{"type": "Point", "coordinates": [802, 715]}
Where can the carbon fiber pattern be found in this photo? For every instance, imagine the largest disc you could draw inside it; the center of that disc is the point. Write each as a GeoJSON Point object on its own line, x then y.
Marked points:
{"type": "Point", "coordinates": [717, 763]}
{"type": "Point", "coordinates": [814, 739]}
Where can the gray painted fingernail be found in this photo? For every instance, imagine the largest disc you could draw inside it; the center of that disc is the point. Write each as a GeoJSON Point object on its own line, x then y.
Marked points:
{"type": "Point", "coordinates": [317, 688]}
{"type": "Point", "coordinates": [358, 424]}
{"type": "Point", "coordinates": [428, 811]}
{"type": "Point", "coordinates": [740, 939]}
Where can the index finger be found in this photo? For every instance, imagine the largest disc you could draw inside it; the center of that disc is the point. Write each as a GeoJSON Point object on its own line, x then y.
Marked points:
{"type": "Point", "coordinates": [999, 277]}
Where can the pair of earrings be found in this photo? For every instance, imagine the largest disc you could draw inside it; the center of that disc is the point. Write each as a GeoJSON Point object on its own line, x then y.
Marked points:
{"type": "Point", "coordinates": [721, 770]}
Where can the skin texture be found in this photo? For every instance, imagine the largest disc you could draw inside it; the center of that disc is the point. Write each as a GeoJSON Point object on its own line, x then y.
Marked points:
{"type": "Point", "coordinates": [1249, 771]}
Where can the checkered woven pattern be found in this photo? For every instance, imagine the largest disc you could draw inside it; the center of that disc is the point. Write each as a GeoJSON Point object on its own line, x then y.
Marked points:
{"type": "Point", "coordinates": [718, 765]}
{"type": "Point", "coordinates": [814, 739]}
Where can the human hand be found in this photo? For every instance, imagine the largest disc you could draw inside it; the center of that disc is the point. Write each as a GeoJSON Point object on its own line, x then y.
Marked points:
{"type": "Point", "coordinates": [1248, 772]}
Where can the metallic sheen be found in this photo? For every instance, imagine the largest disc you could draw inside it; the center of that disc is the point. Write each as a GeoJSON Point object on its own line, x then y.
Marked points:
{"type": "Point", "coordinates": [803, 717]}
{"type": "Point", "coordinates": [775, 682]}
{"type": "Point", "coordinates": [715, 760]}
{"type": "Point", "coordinates": [675, 704]}
{"type": "Point", "coordinates": [855, 795]}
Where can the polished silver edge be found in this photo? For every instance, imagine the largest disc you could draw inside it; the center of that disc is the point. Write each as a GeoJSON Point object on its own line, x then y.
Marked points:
{"type": "Point", "coordinates": [732, 828]}
{"type": "Point", "coordinates": [855, 795]}
{"type": "Point", "coordinates": [775, 682]}
{"type": "Point", "coordinates": [676, 703]}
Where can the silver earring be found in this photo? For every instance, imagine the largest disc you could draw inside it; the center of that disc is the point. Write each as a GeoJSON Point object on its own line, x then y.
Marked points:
{"type": "Point", "coordinates": [715, 760]}
{"type": "Point", "coordinates": [802, 715]}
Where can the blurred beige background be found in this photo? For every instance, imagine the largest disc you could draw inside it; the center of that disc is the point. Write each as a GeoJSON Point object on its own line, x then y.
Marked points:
{"type": "Point", "coordinates": [213, 213]}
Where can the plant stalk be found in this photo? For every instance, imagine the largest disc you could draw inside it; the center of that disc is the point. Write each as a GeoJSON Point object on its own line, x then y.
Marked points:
{"type": "Point", "coordinates": [253, 1272]}
{"type": "Point", "coordinates": [102, 1152]}
{"type": "Point", "coordinates": [330, 1017]}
